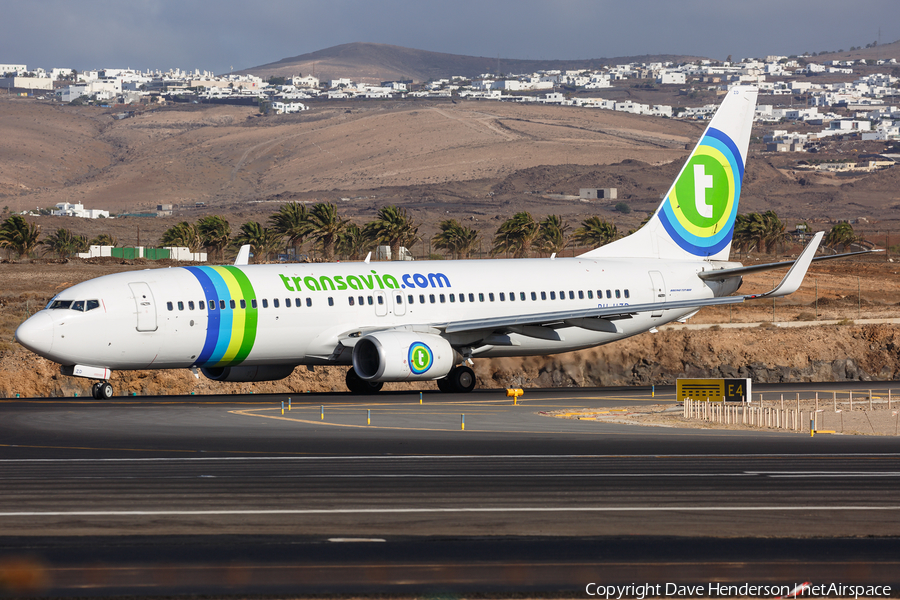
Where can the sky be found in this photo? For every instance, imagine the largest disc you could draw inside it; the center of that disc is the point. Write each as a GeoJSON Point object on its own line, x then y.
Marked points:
{"type": "Point", "coordinates": [221, 35]}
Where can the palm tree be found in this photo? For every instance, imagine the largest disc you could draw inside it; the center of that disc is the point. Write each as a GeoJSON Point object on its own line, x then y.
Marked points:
{"type": "Point", "coordinates": [19, 235]}
{"type": "Point", "coordinates": [182, 235]}
{"type": "Point", "coordinates": [64, 243]}
{"type": "Point", "coordinates": [552, 235]}
{"type": "Point", "coordinates": [456, 238]}
{"type": "Point", "coordinates": [595, 232]}
{"type": "Point", "coordinates": [393, 227]}
{"type": "Point", "coordinates": [215, 234]}
{"type": "Point", "coordinates": [291, 221]}
{"type": "Point", "coordinates": [762, 230]}
{"type": "Point", "coordinates": [325, 226]}
{"type": "Point", "coordinates": [841, 234]}
{"type": "Point", "coordinates": [352, 242]}
{"type": "Point", "coordinates": [263, 241]}
{"type": "Point", "coordinates": [104, 239]}
{"type": "Point", "coordinates": [516, 235]}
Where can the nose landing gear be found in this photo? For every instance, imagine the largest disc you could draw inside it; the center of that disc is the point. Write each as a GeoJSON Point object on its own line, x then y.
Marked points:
{"type": "Point", "coordinates": [102, 390]}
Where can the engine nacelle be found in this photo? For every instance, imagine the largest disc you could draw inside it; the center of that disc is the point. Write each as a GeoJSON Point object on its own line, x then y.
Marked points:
{"type": "Point", "coordinates": [402, 356]}
{"type": "Point", "coordinates": [248, 373]}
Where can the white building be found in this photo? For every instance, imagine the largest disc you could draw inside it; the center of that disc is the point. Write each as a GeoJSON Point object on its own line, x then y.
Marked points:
{"type": "Point", "coordinates": [64, 209]}
{"type": "Point", "coordinates": [283, 108]}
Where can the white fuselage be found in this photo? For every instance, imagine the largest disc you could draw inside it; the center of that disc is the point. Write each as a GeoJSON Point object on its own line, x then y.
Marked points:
{"type": "Point", "coordinates": [293, 313]}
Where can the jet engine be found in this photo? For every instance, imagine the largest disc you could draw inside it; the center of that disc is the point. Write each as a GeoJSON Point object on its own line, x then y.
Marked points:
{"type": "Point", "coordinates": [248, 373]}
{"type": "Point", "coordinates": [403, 356]}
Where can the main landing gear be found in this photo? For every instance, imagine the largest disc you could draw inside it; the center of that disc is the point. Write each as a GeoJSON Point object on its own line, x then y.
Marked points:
{"type": "Point", "coordinates": [358, 385]}
{"type": "Point", "coordinates": [460, 379]}
{"type": "Point", "coordinates": [102, 390]}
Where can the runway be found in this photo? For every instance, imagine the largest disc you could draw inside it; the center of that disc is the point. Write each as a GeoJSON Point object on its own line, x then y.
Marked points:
{"type": "Point", "coordinates": [189, 487]}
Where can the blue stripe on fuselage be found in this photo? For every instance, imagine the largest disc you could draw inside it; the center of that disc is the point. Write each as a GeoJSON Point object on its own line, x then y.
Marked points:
{"type": "Point", "coordinates": [212, 323]}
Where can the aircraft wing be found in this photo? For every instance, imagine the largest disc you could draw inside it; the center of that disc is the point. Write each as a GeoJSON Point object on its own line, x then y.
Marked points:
{"type": "Point", "coordinates": [739, 271]}
{"type": "Point", "coordinates": [600, 318]}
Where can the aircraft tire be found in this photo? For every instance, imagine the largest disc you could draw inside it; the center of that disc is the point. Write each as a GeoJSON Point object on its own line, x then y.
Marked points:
{"type": "Point", "coordinates": [357, 385]}
{"type": "Point", "coordinates": [95, 390]}
{"type": "Point", "coordinates": [462, 379]}
{"type": "Point", "coordinates": [105, 391]}
{"type": "Point", "coordinates": [445, 385]}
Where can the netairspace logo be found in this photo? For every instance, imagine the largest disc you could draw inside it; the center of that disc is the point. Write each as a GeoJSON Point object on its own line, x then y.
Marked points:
{"type": "Point", "coordinates": [640, 591]}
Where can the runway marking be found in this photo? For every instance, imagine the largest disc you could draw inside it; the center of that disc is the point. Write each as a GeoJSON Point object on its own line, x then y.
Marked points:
{"type": "Point", "coordinates": [379, 457]}
{"type": "Point", "coordinates": [655, 475]}
{"type": "Point", "coordinates": [505, 509]}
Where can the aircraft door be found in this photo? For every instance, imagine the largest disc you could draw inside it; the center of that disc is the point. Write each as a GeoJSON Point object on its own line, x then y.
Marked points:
{"type": "Point", "coordinates": [145, 306]}
{"type": "Point", "coordinates": [381, 304]}
{"type": "Point", "coordinates": [658, 285]}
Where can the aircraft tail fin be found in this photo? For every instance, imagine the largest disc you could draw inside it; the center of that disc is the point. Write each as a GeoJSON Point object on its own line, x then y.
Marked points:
{"type": "Point", "coordinates": [696, 217]}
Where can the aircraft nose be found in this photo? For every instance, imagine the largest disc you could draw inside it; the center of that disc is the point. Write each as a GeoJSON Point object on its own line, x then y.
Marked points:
{"type": "Point", "coordinates": [36, 333]}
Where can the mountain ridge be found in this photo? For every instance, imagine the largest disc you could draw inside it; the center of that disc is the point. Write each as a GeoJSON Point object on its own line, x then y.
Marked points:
{"type": "Point", "coordinates": [369, 62]}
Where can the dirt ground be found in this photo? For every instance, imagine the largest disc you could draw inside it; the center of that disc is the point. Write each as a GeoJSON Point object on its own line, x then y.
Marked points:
{"type": "Point", "coordinates": [830, 415]}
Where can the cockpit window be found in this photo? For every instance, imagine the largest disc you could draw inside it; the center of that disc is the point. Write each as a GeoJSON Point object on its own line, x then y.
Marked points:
{"type": "Point", "coordinates": [91, 305]}
{"type": "Point", "coordinates": [78, 305]}
{"type": "Point", "coordinates": [60, 304]}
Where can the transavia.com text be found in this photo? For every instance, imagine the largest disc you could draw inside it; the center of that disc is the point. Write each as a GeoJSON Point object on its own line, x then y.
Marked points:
{"type": "Point", "coordinates": [639, 591]}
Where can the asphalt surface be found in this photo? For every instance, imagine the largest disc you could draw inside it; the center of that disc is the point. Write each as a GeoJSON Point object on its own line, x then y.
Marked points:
{"type": "Point", "coordinates": [229, 495]}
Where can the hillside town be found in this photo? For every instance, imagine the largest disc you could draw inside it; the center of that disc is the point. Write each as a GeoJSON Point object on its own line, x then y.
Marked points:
{"type": "Point", "coordinates": [867, 102]}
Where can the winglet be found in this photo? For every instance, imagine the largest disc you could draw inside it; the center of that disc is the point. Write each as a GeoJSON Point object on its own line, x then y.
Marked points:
{"type": "Point", "coordinates": [243, 257]}
{"type": "Point", "coordinates": [794, 277]}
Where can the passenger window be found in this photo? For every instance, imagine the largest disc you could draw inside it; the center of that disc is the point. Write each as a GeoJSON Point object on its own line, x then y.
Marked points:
{"type": "Point", "coordinates": [222, 304]}
{"type": "Point", "coordinates": [626, 294]}
{"type": "Point", "coordinates": [91, 305]}
{"type": "Point", "coordinates": [543, 295]}
{"type": "Point", "coordinates": [297, 302]}
{"type": "Point", "coordinates": [572, 295]}
{"type": "Point", "coordinates": [442, 298]}
{"type": "Point", "coordinates": [608, 294]}
{"type": "Point", "coordinates": [309, 302]}
{"type": "Point", "coordinates": [253, 303]}
{"type": "Point", "coordinates": [481, 297]}
{"type": "Point", "coordinates": [190, 305]}
{"type": "Point", "coordinates": [431, 298]}
{"type": "Point", "coordinates": [522, 296]}
{"type": "Point", "coordinates": [452, 297]}
{"type": "Point", "coordinates": [371, 302]}
{"type": "Point", "coordinates": [502, 297]}
{"type": "Point", "coordinates": [180, 305]}
{"type": "Point", "coordinates": [265, 303]}
{"type": "Point", "coordinates": [462, 297]}
{"type": "Point", "coordinates": [380, 300]}
{"type": "Point", "coordinates": [212, 304]}
{"type": "Point", "coordinates": [533, 295]}
{"type": "Point", "coordinates": [75, 305]}
{"type": "Point", "coordinates": [581, 294]}
{"type": "Point", "coordinates": [410, 299]}
{"type": "Point", "coordinates": [361, 301]}
{"type": "Point", "coordinates": [421, 298]}
{"type": "Point", "coordinates": [233, 305]}
{"type": "Point", "coordinates": [330, 301]}
{"type": "Point", "coordinates": [471, 297]}
{"type": "Point", "coordinates": [243, 303]}
{"type": "Point", "coordinates": [618, 295]}
{"type": "Point", "coordinates": [553, 295]}
{"type": "Point", "coordinates": [275, 302]}
{"type": "Point", "coordinates": [287, 302]}
{"type": "Point", "coordinates": [351, 301]}
{"type": "Point", "coordinates": [590, 295]}
{"type": "Point", "coordinates": [399, 299]}
{"type": "Point", "coordinates": [79, 305]}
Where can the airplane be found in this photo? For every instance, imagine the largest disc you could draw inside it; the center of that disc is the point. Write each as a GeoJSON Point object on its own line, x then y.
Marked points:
{"type": "Point", "coordinates": [423, 320]}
